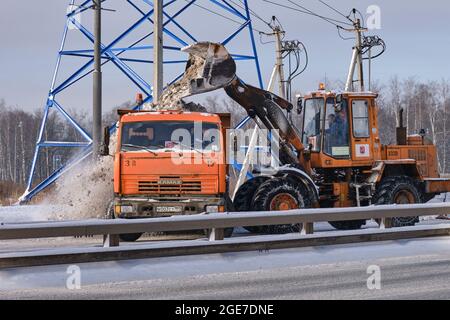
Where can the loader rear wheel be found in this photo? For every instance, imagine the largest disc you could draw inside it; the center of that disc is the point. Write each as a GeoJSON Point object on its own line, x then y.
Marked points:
{"type": "Point", "coordinates": [398, 190]}
{"type": "Point", "coordinates": [281, 193]}
{"type": "Point", "coordinates": [243, 199]}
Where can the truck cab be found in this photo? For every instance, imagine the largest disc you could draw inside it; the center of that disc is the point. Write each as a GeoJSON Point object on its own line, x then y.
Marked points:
{"type": "Point", "coordinates": [169, 163]}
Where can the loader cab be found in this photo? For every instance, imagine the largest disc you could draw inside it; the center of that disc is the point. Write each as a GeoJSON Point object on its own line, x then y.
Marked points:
{"type": "Point", "coordinates": [340, 130]}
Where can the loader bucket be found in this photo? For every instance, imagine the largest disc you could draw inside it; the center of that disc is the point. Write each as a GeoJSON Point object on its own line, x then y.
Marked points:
{"type": "Point", "coordinates": [209, 67]}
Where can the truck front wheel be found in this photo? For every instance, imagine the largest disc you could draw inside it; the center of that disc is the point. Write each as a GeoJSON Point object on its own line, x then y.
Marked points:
{"type": "Point", "coordinates": [130, 237]}
{"type": "Point", "coordinates": [127, 237]}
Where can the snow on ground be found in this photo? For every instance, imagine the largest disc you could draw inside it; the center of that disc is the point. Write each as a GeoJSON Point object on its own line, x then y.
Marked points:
{"type": "Point", "coordinates": [444, 197]}
{"type": "Point", "coordinates": [32, 213]}
{"type": "Point", "coordinates": [200, 265]}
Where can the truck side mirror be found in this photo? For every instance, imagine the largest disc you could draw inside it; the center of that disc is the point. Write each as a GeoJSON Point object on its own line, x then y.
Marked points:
{"type": "Point", "coordinates": [299, 105]}
{"type": "Point", "coordinates": [104, 149]}
{"type": "Point", "coordinates": [235, 144]}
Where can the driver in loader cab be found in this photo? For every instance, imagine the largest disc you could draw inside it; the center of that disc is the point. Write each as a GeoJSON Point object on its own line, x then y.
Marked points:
{"type": "Point", "coordinates": [341, 127]}
{"type": "Point", "coordinates": [332, 133]}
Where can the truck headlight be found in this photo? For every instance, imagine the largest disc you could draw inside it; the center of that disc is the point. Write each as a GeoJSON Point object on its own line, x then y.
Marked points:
{"type": "Point", "coordinates": [212, 209]}
{"type": "Point", "coordinates": [124, 209]}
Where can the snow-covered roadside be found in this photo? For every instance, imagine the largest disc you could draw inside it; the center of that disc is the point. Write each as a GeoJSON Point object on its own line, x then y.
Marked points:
{"type": "Point", "coordinates": [444, 197]}
{"type": "Point", "coordinates": [19, 214]}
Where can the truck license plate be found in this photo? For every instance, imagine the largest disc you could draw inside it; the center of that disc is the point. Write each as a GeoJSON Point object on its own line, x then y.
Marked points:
{"type": "Point", "coordinates": [169, 209]}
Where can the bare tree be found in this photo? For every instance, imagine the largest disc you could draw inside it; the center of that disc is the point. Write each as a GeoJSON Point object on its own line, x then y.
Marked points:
{"type": "Point", "coordinates": [444, 95]}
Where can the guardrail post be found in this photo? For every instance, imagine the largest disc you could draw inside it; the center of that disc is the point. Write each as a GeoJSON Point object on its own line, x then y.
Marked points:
{"type": "Point", "coordinates": [111, 240]}
{"type": "Point", "coordinates": [386, 223]}
{"type": "Point", "coordinates": [216, 234]}
{"type": "Point", "coordinates": [307, 228]}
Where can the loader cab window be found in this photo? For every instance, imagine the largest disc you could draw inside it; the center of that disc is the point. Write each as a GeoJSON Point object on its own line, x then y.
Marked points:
{"type": "Point", "coordinates": [360, 114]}
{"type": "Point", "coordinates": [313, 116]}
{"type": "Point", "coordinates": [336, 133]}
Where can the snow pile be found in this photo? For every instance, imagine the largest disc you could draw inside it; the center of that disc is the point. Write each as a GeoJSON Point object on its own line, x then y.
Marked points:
{"type": "Point", "coordinates": [86, 190]}
{"type": "Point", "coordinates": [83, 192]}
{"type": "Point", "coordinates": [32, 213]}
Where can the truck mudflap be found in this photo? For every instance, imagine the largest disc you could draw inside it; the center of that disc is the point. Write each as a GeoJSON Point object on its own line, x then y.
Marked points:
{"type": "Point", "coordinates": [437, 185]}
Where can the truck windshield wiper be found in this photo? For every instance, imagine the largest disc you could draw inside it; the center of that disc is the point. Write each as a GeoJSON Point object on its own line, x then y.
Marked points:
{"type": "Point", "coordinates": [139, 147]}
{"type": "Point", "coordinates": [189, 147]}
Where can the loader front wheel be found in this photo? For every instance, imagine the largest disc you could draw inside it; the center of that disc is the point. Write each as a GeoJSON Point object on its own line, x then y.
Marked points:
{"type": "Point", "coordinates": [243, 198]}
{"type": "Point", "coordinates": [282, 193]}
{"type": "Point", "coordinates": [398, 190]}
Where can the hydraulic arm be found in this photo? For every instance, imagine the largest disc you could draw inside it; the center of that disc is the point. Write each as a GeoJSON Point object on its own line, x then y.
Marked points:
{"type": "Point", "coordinates": [211, 67]}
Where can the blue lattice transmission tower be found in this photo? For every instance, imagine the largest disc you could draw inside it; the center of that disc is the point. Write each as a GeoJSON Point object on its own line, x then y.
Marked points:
{"type": "Point", "coordinates": [128, 51]}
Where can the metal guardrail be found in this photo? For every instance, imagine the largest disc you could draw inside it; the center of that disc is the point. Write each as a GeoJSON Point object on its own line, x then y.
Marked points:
{"type": "Point", "coordinates": [111, 229]}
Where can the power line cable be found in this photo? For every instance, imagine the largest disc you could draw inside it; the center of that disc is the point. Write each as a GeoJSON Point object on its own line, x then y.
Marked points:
{"type": "Point", "coordinates": [371, 42]}
{"type": "Point", "coordinates": [252, 12]}
{"type": "Point", "coordinates": [342, 37]}
{"type": "Point", "coordinates": [308, 11]}
{"type": "Point", "coordinates": [360, 14]}
{"type": "Point", "coordinates": [220, 15]}
{"type": "Point", "coordinates": [335, 10]}
{"type": "Point", "coordinates": [329, 20]}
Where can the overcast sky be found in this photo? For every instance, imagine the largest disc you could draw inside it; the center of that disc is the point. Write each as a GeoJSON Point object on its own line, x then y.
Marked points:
{"type": "Point", "coordinates": [417, 34]}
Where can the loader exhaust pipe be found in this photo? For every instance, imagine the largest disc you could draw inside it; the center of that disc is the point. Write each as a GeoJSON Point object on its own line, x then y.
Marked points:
{"type": "Point", "coordinates": [401, 131]}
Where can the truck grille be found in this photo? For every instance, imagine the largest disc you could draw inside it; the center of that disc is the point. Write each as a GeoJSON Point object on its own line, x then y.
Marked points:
{"type": "Point", "coordinates": [161, 188]}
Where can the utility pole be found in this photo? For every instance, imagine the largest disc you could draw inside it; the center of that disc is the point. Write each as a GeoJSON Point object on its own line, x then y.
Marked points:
{"type": "Point", "coordinates": [357, 60]}
{"type": "Point", "coordinates": [359, 56]}
{"type": "Point", "coordinates": [97, 85]}
{"type": "Point", "coordinates": [279, 65]}
{"type": "Point", "coordinates": [158, 50]}
{"type": "Point", "coordinates": [278, 68]}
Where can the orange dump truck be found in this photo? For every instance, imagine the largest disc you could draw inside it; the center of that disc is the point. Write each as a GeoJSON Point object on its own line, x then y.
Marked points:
{"type": "Point", "coordinates": [169, 163]}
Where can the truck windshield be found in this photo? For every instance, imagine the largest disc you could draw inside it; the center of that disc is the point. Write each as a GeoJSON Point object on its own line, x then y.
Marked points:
{"type": "Point", "coordinates": [313, 116]}
{"type": "Point", "coordinates": [169, 135]}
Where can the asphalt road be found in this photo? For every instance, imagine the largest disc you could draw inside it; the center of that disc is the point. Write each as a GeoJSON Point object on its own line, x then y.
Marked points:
{"type": "Point", "coordinates": [406, 278]}
{"type": "Point", "coordinates": [409, 269]}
